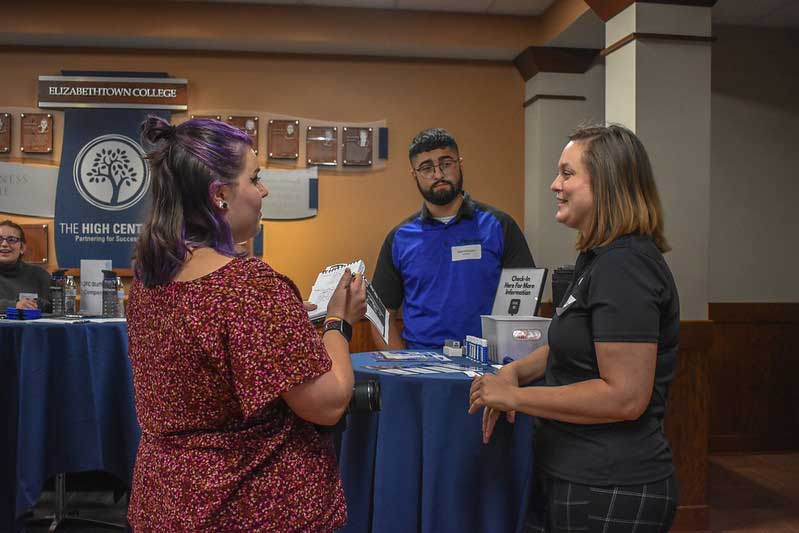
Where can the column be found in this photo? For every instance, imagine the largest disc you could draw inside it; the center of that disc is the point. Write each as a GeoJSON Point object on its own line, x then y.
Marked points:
{"type": "Point", "coordinates": [658, 84]}
{"type": "Point", "coordinates": [564, 88]}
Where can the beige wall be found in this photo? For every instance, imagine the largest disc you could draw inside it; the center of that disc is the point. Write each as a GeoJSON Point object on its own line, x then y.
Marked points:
{"type": "Point", "coordinates": [479, 102]}
{"type": "Point", "coordinates": [754, 179]}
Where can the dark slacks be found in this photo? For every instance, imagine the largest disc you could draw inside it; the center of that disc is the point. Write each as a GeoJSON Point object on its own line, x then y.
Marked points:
{"type": "Point", "coordinates": [560, 505]}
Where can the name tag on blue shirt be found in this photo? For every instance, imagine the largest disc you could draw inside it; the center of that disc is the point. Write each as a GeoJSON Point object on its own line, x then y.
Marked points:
{"type": "Point", "coordinates": [467, 252]}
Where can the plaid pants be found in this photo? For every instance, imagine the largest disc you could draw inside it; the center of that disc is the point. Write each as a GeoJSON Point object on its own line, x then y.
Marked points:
{"type": "Point", "coordinates": [560, 505]}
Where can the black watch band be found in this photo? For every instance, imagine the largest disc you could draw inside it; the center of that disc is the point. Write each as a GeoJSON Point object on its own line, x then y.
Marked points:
{"type": "Point", "coordinates": [342, 326]}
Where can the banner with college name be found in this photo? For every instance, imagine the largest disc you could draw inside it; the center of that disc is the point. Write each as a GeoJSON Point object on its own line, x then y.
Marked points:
{"type": "Point", "coordinates": [103, 184]}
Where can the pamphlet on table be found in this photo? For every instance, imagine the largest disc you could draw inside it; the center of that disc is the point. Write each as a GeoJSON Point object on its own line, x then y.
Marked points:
{"type": "Point", "coordinates": [410, 355]}
{"type": "Point", "coordinates": [412, 362]}
{"type": "Point", "coordinates": [431, 368]}
{"type": "Point", "coordinates": [91, 285]}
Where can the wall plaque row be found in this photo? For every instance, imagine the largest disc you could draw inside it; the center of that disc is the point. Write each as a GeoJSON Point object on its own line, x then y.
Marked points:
{"type": "Point", "coordinates": [321, 142]}
{"type": "Point", "coordinates": [36, 133]}
{"type": "Point", "coordinates": [322, 146]}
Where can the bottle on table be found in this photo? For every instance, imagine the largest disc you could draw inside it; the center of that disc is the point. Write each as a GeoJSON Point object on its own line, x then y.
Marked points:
{"type": "Point", "coordinates": [70, 295]}
{"type": "Point", "coordinates": [57, 292]}
{"type": "Point", "coordinates": [110, 302]}
{"type": "Point", "coordinates": [120, 298]}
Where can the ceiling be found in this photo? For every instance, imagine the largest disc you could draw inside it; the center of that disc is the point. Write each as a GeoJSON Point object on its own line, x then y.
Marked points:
{"type": "Point", "coordinates": [763, 13]}
{"type": "Point", "coordinates": [489, 7]}
{"type": "Point", "coordinates": [486, 38]}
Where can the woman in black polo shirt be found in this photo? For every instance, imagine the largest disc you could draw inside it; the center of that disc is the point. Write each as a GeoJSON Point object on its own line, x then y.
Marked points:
{"type": "Point", "coordinates": [602, 460]}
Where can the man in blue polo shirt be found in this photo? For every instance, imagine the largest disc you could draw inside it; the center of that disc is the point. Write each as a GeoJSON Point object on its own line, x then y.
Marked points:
{"type": "Point", "coordinates": [442, 264]}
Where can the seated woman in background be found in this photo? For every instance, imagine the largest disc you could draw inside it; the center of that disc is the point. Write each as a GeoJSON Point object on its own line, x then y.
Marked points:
{"type": "Point", "coordinates": [602, 460]}
{"type": "Point", "coordinates": [230, 376]}
{"type": "Point", "coordinates": [18, 277]}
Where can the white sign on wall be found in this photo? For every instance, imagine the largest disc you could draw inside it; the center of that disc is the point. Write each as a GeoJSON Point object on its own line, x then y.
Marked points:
{"type": "Point", "coordinates": [293, 194]}
{"type": "Point", "coordinates": [28, 189]}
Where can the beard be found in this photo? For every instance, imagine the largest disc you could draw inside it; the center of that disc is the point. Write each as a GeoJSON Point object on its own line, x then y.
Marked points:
{"type": "Point", "coordinates": [444, 195]}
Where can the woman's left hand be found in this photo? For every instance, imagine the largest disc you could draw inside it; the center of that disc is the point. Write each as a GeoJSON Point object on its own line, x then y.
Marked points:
{"type": "Point", "coordinates": [491, 391]}
{"type": "Point", "coordinates": [496, 395]}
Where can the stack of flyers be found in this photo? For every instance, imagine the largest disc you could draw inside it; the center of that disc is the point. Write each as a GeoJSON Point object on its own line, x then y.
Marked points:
{"type": "Point", "coordinates": [431, 368]}
{"type": "Point", "coordinates": [399, 355]}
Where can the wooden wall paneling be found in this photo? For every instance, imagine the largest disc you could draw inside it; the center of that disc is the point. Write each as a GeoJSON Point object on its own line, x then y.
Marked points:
{"type": "Point", "coordinates": [754, 312]}
{"type": "Point", "coordinates": [687, 423]}
{"type": "Point", "coordinates": [754, 403]}
{"type": "Point", "coordinates": [362, 337]}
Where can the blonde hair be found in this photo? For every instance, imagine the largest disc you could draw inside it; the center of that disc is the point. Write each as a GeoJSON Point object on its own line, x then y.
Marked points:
{"type": "Point", "coordinates": [626, 198]}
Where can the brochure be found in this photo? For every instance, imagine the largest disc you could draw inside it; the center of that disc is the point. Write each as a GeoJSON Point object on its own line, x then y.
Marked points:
{"type": "Point", "coordinates": [408, 355]}
{"type": "Point", "coordinates": [91, 285]}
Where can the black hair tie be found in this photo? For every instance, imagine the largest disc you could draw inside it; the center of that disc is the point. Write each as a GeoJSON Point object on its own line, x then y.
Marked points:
{"type": "Point", "coordinates": [169, 132]}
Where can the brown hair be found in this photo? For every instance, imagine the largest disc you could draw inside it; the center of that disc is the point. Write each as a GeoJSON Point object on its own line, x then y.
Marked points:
{"type": "Point", "coordinates": [188, 164]}
{"type": "Point", "coordinates": [16, 226]}
{"type": "Point", "coordinates": [626, 198]}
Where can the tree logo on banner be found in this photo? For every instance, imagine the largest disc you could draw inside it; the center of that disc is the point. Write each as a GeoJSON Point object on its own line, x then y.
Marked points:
{"type": "Point", "coordinates": [110, 172]}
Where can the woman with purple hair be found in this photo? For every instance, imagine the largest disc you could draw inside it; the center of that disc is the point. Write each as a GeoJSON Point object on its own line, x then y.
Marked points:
{"type": "Point", "coordinates": [230, 376]}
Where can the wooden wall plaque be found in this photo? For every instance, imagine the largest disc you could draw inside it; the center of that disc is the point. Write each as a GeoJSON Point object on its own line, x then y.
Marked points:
{"type": "Point", "coordinates": [37, 247]}
{"type": "Point", "coordinates": [248, 125]}
{"type": "Point", "coordinates": [36, 133]}
{"type": "Point", "coordinates": [210, 117]}
{"type": "Point", "coordinates": [321, 145]}
{"type": "Point", "coordinates": [357, 150]}
{"type": "Point", "coordinates": [284, 139]}
{"type": "Point", "coordinates": [5, 133]}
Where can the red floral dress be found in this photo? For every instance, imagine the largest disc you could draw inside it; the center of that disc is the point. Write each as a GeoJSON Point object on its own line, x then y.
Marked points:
{"type": "Point", "coordinates": [220, 450]}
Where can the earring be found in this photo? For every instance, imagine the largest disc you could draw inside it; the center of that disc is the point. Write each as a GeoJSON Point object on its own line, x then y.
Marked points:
{"type": "Point", "coordinates": [222, 204]}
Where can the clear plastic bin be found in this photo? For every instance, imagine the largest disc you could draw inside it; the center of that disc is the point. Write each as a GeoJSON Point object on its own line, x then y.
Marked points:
{"type": "Point", "coordinates": [512, 337]}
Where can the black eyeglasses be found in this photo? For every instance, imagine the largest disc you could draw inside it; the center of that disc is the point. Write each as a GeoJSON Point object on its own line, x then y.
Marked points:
{"type": "Point", "coordinates": [428, 170]}
{"type": "Point", "coordinates": [11, 239]}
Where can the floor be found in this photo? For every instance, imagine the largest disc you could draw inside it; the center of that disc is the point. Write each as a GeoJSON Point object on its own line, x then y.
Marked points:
{"type": "Point", "coordinates": [754, 492]}
{"type": "Point", "coordinates": [747, 493]}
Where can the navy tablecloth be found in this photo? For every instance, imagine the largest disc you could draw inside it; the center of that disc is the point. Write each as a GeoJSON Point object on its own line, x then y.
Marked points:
{"type": "Point", "coordinates": [420, 464]}
{"type": "Point", "coordinates": [66, 403]}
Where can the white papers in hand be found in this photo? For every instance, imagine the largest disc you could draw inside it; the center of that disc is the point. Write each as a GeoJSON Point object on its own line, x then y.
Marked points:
{"type": "Point", "coordinates": [327, 281]}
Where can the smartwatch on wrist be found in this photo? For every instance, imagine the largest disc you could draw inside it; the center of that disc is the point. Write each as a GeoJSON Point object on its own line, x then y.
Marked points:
{"type": "Point", "coordinates": [340, 325]}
